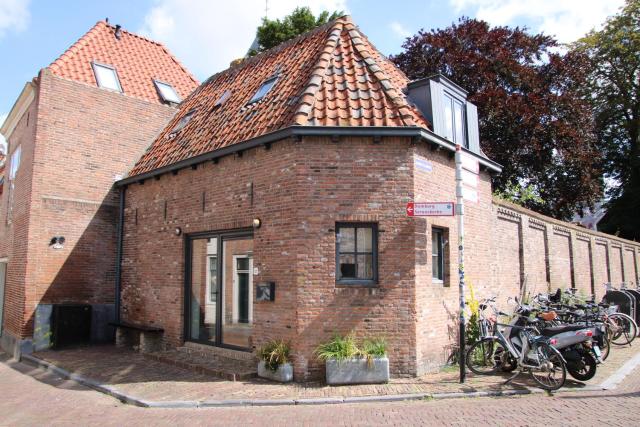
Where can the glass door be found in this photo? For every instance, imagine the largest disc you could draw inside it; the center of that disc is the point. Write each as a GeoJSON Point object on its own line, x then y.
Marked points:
{"type": "Point", "coordinates": [219, 289]}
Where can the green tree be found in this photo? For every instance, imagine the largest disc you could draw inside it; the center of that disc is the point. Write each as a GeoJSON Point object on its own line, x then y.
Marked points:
{"type": "Point", "coordinates": [272, 32]}
{"type": "Point", "coordinates": [533, 119]}
{"type": "Point", "coordinates": [614, 92]}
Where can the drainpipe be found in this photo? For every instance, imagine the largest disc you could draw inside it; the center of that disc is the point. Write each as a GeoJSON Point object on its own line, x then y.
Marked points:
{"type": "Point", "coordinates": [119, 251]}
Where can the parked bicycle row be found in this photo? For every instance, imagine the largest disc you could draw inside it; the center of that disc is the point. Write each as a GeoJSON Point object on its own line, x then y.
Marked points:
{"type": "Point", "coordinates": [549, 336]}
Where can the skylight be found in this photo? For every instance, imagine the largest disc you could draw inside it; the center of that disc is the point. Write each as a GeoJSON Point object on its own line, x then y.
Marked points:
{"type": "Point", "coordinates": [223, 98]}
{"type": "Point", "coordinates": [264, 89]}
{"type": "Point", "coordinates": [183, 121]}
{"type": "Point", "coordinates": [167, 92]}
{"type": "Point", "coordinates": [106, 77]}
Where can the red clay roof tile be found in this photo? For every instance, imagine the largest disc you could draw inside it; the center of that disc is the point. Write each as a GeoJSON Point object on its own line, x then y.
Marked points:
{"type": "Point", "coordinates": [137, 60]}
{"type": "Point", "coordinates": [331, 76]}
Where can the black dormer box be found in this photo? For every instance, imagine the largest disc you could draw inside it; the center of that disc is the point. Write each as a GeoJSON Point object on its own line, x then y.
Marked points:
{"type": "Point", "coordinates": [445, 105]}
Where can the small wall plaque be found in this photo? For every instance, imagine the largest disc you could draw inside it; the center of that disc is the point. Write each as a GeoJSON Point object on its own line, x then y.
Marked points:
{"type": "Point", "coordinates": [266, 291]}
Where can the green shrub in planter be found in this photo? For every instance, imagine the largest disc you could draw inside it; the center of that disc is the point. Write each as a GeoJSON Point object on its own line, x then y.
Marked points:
{"type": "Point", "coordinates": [346, 362]}
{"type": "Point", "coordinates": [274, 361]}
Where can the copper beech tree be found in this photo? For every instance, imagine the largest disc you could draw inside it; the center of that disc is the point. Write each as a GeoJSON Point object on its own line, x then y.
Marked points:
{"type": "Point", "coordinates": [533, 120]}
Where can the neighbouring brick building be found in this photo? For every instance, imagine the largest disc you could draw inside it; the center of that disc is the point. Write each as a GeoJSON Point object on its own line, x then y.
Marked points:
{"type": "Point", "coordinates": [75, 129]}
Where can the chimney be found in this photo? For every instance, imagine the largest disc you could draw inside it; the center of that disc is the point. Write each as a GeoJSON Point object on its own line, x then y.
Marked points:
{"type": "Point", "coordinates": [118, 32]}
{"type": "Point", "coordinates": [444, 104]}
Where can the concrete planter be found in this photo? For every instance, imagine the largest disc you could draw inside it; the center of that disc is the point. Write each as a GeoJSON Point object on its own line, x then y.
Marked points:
{"type": "Point", "coordinates": [283, 374]}
{"type": "Point", "coordinates": [357, 371]}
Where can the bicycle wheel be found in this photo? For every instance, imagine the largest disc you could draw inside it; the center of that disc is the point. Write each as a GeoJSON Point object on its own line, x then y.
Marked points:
{"type": "Point", "coordinates": [623, 329]}
{"type": "Point", "coordinates": [483, 357]}
{"type": "Point", "coordinates": [551, 372]}
{"type": "Point", "coordinates": [606, 347]}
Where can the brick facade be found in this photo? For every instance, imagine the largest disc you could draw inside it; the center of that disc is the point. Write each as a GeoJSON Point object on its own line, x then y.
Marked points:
{"type": "Point", "coordinates": [76, 141]}
{"type": "Point", "coordinates": [300, 189]}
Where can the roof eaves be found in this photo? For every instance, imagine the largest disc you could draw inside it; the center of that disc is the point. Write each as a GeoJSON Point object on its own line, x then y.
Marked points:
{"type": "Point", "coordinates": [297, 131]}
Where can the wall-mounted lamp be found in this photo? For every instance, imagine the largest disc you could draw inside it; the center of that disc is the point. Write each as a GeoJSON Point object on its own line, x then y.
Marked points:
{"type": "Point", "coordinates": [257, 223]}
{"type": "Point", "coordinates": [178, 231]}
{"type": "Point", "coordinates": [57, 242]}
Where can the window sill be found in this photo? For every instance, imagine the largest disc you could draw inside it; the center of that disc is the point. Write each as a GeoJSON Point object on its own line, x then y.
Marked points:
{"type": "Point", "coordinates": [437, 281]}
{"type": "Point", "coordinates": [357, 284]}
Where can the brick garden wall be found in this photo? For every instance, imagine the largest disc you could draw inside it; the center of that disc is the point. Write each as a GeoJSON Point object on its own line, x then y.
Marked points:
{"type": "Point", "coordinates": [576, 257]}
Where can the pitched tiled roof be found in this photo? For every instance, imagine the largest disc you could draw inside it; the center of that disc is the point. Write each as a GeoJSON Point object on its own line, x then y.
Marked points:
{"type": "Point", "coordinates": [331, 76]}
{"type": "Point", "coordinates": [137, 60]}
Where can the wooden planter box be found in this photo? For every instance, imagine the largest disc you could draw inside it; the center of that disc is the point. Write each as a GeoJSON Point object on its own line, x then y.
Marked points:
{"type": "Point", "coordinates": [283, 374]}
{"type": "Point", "coordinates": [357, 371]}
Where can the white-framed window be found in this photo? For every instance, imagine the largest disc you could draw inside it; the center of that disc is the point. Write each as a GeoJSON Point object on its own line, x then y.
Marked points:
{"type": "Point", "coordinates": [106, 76]}
{"type": "Point", "coordinates": [454, 116]}
{"type": "Point", "coordinates": [15, 162]}
{"type": "Point", "coordinates": [167, 92]}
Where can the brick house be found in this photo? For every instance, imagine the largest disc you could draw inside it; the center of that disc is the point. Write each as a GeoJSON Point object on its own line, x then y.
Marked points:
{"type": "Point", "coordinates": [74, 130]}
{"type": "Point", "coordinates": [294, 167]}
{"type": "Point", "coordinates": [273, 206]}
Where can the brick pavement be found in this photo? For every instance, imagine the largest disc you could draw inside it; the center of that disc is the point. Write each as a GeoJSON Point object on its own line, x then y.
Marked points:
{"type": "Point", "coordinates": [132, 374]}
{"type": "Point", "coordinates": [40, 398]}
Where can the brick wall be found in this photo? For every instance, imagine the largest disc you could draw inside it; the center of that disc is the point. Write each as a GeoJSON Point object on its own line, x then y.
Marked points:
{"type": "Point", "coordinates": [14, 219]}
{"type": "Point", "coordinates": [577, 257]}
{"type": "Point", "coordinates": [86, 138]}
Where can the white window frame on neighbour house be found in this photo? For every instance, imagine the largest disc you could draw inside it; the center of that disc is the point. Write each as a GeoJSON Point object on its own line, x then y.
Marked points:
{"type": "Point", "coordinates": [102, 83]}
{"type": "Point", "coordinates": [167, 92]}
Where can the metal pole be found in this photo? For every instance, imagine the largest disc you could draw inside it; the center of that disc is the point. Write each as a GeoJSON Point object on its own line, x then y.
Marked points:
{"type": "Point", "coordinates": [460, 215]}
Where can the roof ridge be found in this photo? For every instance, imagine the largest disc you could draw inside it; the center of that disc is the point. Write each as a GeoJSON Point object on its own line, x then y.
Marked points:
{"type": "Point", "coordinates": [277, 48]}
{"type": "Point", "coordinates": [160, 44]}
{"type": "Point", "coordinates": [77, 43]}
{"type": "Point", "coordinates": [80, 41]}
{"type": "Point", "coordinates": [308, 95]}
{"type": "Point", "coordinates": [387, 87]}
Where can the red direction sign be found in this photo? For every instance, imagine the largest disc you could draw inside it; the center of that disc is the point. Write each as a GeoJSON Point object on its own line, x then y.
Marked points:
{"type": "Point", "coordinates": [431, 209]}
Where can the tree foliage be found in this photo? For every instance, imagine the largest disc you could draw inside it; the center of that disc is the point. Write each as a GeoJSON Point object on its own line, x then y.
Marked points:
{"type": "Point", "coordinates": [614, 91]}
{"type": "Point", "coordinates": [272, 32]}
{"type": "Point", "coordinates": [533, 120]}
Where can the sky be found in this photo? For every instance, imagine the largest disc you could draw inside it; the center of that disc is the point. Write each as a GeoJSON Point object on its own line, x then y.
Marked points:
{"type": "Point", "coordinates": [206, 35]}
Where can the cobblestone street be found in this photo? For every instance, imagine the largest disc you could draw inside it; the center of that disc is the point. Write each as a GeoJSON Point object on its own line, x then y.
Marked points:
{"type": "Point", "coordinates": [34, 397]}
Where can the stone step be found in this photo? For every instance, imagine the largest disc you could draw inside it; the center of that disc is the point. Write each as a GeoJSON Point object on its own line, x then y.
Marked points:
{"type": "Point", "coordinates": [207, 364]}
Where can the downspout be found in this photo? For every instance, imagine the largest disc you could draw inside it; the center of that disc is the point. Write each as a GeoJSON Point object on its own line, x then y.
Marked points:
{"type": "Point", "coordinates": [120, 232]}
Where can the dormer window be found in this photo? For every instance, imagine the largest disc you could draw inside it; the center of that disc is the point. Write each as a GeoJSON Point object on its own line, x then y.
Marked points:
{"type": "Point", "coordinates": [106, 77]}
{"type": "Point", "coordinates": [167, 92]}
{"type": "Point", "coordinates": [444, 104]}
{"type": "Point", "coordinates": [454, 120]}
{"type": "Point", "coordinates": [264, 89]}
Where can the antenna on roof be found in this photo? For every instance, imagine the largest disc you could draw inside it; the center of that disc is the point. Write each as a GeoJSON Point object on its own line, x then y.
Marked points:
{"type": "Point", "coordinates": [106, 19]}
{"type": "Point", "coordinates": [118, 32]}
{"type": "Point", "coordinates": [266, 9]}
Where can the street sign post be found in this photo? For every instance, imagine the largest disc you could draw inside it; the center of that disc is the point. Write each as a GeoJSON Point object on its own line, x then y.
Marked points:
{"type": "Point", "coordinates": [463, 162]}
{"type": "Point", "coordinates": [431, 209]}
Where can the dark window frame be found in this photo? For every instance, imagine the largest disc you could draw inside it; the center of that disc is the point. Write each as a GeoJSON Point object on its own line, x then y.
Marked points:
{"type": "Point", "coordinates": [439, 254]}
{"type": "Point", "coordinates": [463, 102]}
{"type": "Point", "coordinates": [374, 253]}
{"type": "Point", "coordinates": [255, 97]}
{"type": "Point", "coordinates": [222, 235]}
{"type": "Point", "coordinates": [95, 64]}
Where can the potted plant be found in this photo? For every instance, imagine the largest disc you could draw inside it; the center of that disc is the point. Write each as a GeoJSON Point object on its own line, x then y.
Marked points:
{"type": "Point", "coordinates": [274, 361]}
{"type": "Point", "coordinates": [346, 362]}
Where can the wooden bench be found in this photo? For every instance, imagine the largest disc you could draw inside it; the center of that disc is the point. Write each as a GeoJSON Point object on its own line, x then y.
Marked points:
{"type": "Point", "coordinates": [146, 339]}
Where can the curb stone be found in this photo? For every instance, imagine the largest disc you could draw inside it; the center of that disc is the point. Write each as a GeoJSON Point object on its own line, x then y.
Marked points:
{"type": "Point", "coordinates": [609, 384]}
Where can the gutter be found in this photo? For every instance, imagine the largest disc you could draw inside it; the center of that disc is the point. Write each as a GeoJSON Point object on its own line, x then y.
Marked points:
{"type": "Point", "coordinates": [120, 232]}
{"type": "Point", "coordinates": [298, 131]}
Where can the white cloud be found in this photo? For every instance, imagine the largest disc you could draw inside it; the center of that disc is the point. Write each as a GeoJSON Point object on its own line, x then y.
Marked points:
{"type": "Point", "coordinates": [400, 30]}
{"type": "Point", "coordinates": [208, 35]}
{"type": "Point", "coordinates": [14, 15]}
{"type": "Point", "coordinates": [567, 20]}
{"type": "Point", "coordinates": [3, 142]}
